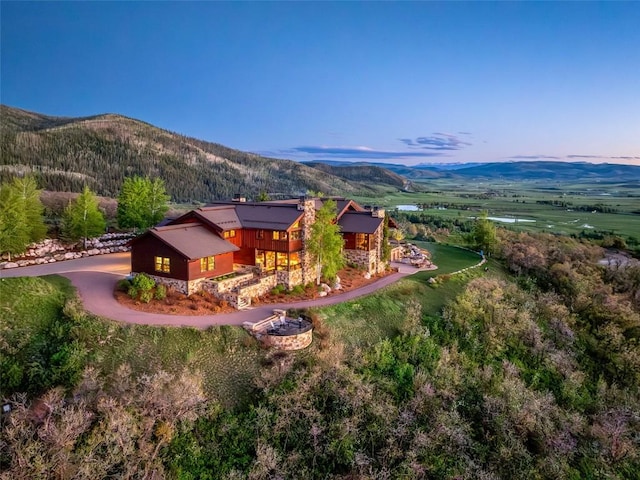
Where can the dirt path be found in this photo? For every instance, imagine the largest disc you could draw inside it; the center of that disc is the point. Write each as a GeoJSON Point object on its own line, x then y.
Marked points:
{"type": "Point", "coordinates": [95, 279]}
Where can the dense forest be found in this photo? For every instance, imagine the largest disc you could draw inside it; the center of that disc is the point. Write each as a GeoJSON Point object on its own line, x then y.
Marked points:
{"type": "Point", "coordinates": [100, 151]}
{"type": "Point", "coordinates": [531, 371]}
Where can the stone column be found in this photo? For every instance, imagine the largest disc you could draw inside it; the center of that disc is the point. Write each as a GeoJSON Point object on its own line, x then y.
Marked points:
{"type": "Point", "coordinates": [308, 206]}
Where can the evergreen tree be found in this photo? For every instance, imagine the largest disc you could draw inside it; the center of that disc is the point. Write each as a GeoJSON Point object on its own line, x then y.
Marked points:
{"type": "Point", "coordinates": [21, 215]}
{"type": "Point", "coordinates": [142, 202]}
{"type": "Point", "coordinates": [14, 235]}
{"type": "Point", "coordinates": [325, 243]}
{"type": "Point", "coordinates": [33, 209]}
{"type": "Point", "coordinates": [82, 219]}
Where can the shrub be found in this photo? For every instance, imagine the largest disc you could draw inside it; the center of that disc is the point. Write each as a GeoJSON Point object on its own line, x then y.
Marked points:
{"type": "Point", "coordinates": [146, 296]}
{"type": "Point", "coordinates": [297, 290]}
{"type": "Point", "coordinates": [132, 292]}
{"type": "Point", "coordinates": [278, 289]}
{"type": "Point", "coordinates": [143, 282]}
{"type": "Point", "coordinates": [161, 292]}
{"type": "Point", "coordinates": [123, 285]}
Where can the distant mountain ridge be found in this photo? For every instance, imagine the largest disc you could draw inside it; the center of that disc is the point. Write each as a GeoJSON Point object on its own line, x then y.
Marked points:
{"type": "Point", "coordinates": [523, 170]}
{"type": "Point", "coordinates": [101, 150]}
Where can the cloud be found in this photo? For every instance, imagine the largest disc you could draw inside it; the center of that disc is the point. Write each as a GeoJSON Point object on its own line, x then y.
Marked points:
{"type": "Point", "coordinates": [437, 141]}
{"type": "Point", "coordinates": [358, 152]}
{"type": "Point", "coordinates": [586, 156]}
{"type": "Point", "coordinates": [535, 157]}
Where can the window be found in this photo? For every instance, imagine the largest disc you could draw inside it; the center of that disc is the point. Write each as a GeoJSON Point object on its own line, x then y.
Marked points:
{"type": "Point", "coordinates": [279, 235]}
{"type": "Point", "coordinates": [296, 235]}
{"type": "Point", "coordinates": [229, 234]}
{"type": "Point", "coordinates": [162, 264]}
{"type": "Point", "coordinates": [207, 264]}
{"type": "Point", "coordinates": [362, 241]}
{"type": "Point", "coordinates": [296, 225]}
{"type": "Point", "coordinates": [259, 234]}
{"type": "Point", "coordinates": [282, 261]}
{"type": "Point", "coordinates": [294, 260]}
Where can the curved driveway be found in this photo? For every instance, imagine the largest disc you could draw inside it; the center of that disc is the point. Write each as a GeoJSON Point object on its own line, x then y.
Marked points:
{"type": "Point", "coordinates": [95, 278]}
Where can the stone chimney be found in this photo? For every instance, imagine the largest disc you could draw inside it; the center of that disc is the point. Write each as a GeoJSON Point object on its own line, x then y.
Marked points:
{"type": "Point", "coordinates": [377, 212]}
{"type": "Point", "coordinates": [308, 206]}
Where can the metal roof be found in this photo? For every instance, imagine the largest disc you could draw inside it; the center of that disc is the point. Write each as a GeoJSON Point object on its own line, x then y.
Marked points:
{"type": "Point", "coordinates": [359, 222]}
{"type": "Point", "coordinates": [268, 216]}
{"type": "Point", "coordinates": [193, 240]}
{"type": "Point", "coordinates": [223, 216]}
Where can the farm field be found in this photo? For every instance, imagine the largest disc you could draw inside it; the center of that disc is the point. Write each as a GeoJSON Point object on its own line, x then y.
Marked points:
{"type": "Point", "coordinates": [564, 208]}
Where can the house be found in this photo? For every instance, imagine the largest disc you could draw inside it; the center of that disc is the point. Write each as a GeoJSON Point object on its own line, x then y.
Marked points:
{"type": "Point", "coordinates": [239, 250]}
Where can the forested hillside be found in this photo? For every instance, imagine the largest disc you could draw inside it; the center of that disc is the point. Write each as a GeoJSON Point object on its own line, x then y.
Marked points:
{"type": "Point", "coordinates": [100, 151]}
{"type": "Point", "coordinates": [364, 173]}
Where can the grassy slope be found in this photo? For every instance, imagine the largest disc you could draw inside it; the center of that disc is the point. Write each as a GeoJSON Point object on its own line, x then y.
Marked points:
{"type": "Point", "coordinates": [229, 359]}
{"type": "Point", "coordinates": [365, 321]}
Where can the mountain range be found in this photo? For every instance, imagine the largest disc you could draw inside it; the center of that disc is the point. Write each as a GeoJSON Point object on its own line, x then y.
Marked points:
{"type": "Point", "coordinates": [67, 153]}
{"type": "Point", "coordinates": [100, 151]}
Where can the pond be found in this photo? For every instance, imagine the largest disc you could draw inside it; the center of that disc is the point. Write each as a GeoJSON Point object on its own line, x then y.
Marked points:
{"type": "Point", "coordinates": [509, 219]}
{"type": "Point", "coordinates": [408, 208]}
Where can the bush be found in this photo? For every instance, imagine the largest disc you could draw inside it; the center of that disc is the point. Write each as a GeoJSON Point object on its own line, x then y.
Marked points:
{"type": "Point", "coordinates": [123, 285]}
{"type": "Point", "coordinates": [297, 290]}
{"type": "Point", "coordinates": [143, 282]}
{"type": "Point", "coordinates": [146, 296]}
{"type": "Point", "coordinates": [278, 289]}
{"type": "Point", "coordinates": [132, 292]}
{"type": "Point", "coordinates": [161, 292]}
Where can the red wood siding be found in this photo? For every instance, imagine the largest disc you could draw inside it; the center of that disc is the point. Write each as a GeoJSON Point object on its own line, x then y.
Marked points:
{"type": "Point", "coordinates": [268, 243]}
{"type": "Point", "coordinates": [144, 251]}
{"type": "Point", "coordinates": [224, 265]}
{"type": "Point", "coordinates": [245, 256]}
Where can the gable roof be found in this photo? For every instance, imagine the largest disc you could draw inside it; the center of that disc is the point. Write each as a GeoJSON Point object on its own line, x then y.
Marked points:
{"type": "Point", "coordinates": [359, 222]}
{"type": "Point", "coordinates": [192, 240]}
{"type": "Point", "coordinates": [224, 217]}
{"type": "Point", "coordinates": [268, 216]}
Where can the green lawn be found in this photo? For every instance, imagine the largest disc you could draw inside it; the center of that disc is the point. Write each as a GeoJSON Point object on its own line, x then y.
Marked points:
{"type": "Point", "coordinates": [365, 321]}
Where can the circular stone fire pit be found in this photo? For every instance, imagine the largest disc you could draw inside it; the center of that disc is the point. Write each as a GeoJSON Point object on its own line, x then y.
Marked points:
{"type": "Point", "coordinates": [288, 333]}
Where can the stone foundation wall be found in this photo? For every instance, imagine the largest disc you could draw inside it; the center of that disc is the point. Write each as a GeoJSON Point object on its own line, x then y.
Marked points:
{"type": "Point", "coordinates": [178, 285]}
{"type": "Point", "coordinates": [182, 286]}
{"type": "Point", "coordinates": [362, 258]}
{"type": "Point", "coordinates": [290, 278]}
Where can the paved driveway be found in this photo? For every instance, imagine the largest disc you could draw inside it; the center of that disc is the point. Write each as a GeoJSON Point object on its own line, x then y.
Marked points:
{"type": "Point", "coordinates": [95, 279]}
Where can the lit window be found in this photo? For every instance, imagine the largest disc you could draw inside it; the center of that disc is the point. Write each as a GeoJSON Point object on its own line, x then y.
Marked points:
{"type": "Point", "coordinates": [296, 225]}
{"type": "Point", "coordinates": [279, 235]}
{"type": "Point", "coordinates": [207, 264]}
{"type": "Point", "coordinates": [282, 261]}
{"type": "Point", "coordinates": [162, 264]}
{"type": "Point", "coordinates": [229, 234]}
{"type": "Point", "coordinates": [296, 235]}
{"type": "Point", "coordinates": [259, 234]}
{"type": "Point", "coordinates": [294, 260]}
{"type": "Point", "coordinates": [362, 241]}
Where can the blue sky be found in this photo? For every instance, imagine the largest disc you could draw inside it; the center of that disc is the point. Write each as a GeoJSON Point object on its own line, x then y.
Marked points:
{"type": "Point", "coordinates": [400, 82]}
